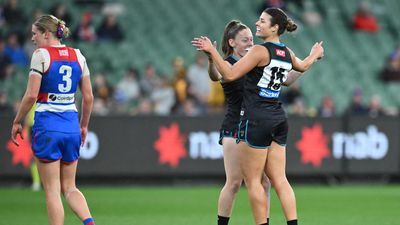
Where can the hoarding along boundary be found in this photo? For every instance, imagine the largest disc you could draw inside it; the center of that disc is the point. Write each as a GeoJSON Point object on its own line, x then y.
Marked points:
{"type": "Point", "coordinates": [188, 147]}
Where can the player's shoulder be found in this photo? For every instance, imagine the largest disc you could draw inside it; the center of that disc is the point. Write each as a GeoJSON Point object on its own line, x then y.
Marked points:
{"type": "Point", "coordinates": [78, 52]}
{"type": "Point", "coordinates": [41, 53]}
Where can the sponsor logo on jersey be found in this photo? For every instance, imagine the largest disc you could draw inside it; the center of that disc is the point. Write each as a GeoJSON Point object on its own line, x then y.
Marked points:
{"type": "Point", "coordinates": [61, 98]}
{"type": "Point", "coordinates": [267, 93]}
{"type": "Point", "coordinates": [63, 52]}
{"type": "Point", "coordinates": [280, 52]}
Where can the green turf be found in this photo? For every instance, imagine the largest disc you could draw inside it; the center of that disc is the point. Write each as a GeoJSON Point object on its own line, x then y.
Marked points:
{"type": "Point", "coordinates": [317, 205]}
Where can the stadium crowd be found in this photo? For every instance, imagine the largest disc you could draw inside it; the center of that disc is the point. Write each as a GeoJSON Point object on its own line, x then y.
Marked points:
{"type": "Point", "coordinates": [188, 91]}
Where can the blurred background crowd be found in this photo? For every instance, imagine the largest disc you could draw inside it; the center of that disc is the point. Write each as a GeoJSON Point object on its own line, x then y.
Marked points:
{"type": "Point", "coordinates": [142, 62]}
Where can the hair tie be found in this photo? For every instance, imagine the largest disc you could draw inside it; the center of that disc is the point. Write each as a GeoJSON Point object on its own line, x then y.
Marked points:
{"type": "Point", "coordinates": [60, 30]}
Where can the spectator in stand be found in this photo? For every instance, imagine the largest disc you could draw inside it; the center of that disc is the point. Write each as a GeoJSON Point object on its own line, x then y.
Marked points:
{"type": "Point", "coordinates": [6, 66]}
{"type": "Point", "coordinates": [145, 107]}
{"type": "Point", "coordinates": [298, 108]}
{"type": "Point", "coordinates": [109, 29]}
{"type": "Point", "coordinates": [356, 107]}
{"type": "Point", "coordinates": [60, 11]}
{"type": "Point", "coordinates": [190, 108]}
{"type": "Point", "coordinates": [391, 71]}
{"type": "Point", "coordinates": [12, 14]}
{"type": "Point", "coordinates": [293, 92]}
{"type": "Point", "coordinates": [100, 108]}
{"type": "Point", "coordinates": [149, 80]}
{"type": "Point", "coordinates": [102, 89]}
{"type": "Point", "coordinates": [327, 107]}
{"type": "Point", "coordinates": [364, 20]}
{"type": "Point", "coordinates": [128, 88]}
{"type": "Point", "coordinates": [216, 98]}
{"type": "Point", "coordinates": [375, 108]}
{"type": "Point", "coordinates": [85, 30]}
{"type": "Point", "coordinates": [163, 98]}
{"type": "Point", "coordinates": [199, 83]}
{"type": "Point", "coordinates": [180, 84]}
{"type": "Point", "coordinates": [15, 51]}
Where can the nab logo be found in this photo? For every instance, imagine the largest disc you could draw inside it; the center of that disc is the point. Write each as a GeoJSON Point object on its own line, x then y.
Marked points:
{"type": "Point", "coordinates": [313, 145]}
{"type": "Point", "coordinates": [280, 53]}
{"type": "Point", "coordinates": [21, 154]}
{"type": "Point", "coordinates": [170, 145]}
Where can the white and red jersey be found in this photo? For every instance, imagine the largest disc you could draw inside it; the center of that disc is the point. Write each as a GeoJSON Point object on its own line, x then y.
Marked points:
{"type": "Point", "coordinates": [61, 68]}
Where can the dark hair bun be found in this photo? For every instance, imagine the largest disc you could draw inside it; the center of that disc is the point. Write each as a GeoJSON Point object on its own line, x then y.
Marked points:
{"type": "Point", "coordinates": [291, 26]}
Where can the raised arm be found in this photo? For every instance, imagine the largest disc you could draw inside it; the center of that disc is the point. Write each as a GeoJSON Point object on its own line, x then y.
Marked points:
{"type": "Point", "coordinates": [291, 78]}
{"type": "Point", "coordinates": [317, 52]}
{"type": "Point", "coordinates": [212, 71]}
{"type": "Point", "coordinates": [239, 69]}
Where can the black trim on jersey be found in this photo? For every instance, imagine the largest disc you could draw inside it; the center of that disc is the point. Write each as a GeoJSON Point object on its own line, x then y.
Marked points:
{"type": "Point", "coordinates": [35, 70]}
{"type": "Point", "coordinates": [232, 59]}
{"type": "Point", "coordinates": [272, 55]}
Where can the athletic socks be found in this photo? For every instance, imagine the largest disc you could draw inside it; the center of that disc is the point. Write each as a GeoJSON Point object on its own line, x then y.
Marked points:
{"type": "Point", "coordinates": [292, 222]}
{"type": "Point", "coordinates": [223, 220]}
{"type": "Point", "coordinates": [88, 221]}
{"type": "Point", "coordinates": [267, 223]}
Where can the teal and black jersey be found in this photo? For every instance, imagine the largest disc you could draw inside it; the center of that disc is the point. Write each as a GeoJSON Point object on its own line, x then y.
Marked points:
{"type": "Point", "coordinates": [263, 84]}
{"type": "Point", "coordinates": [233, 97]}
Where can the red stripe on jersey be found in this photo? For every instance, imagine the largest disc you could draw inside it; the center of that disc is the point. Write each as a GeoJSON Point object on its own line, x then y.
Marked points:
{"type": "Point", "coordinates": [90, 223]}
{"type": "Point", "coordinates": [43, 97]}
{"type": "Point", "coordinates": [62, 54]}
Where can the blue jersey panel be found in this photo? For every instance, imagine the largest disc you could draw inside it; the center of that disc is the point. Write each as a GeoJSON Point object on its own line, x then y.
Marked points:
{"type": "Point", "coordinates": [62, 77]}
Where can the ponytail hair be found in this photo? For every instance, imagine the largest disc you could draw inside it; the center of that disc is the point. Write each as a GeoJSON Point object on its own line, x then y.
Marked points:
{"type": "Point", "coordinates": [278, 16]}
{"type": "Point", "coordinates": [230, 32]}
{"type": "Point", "coordinates": [52, 24]}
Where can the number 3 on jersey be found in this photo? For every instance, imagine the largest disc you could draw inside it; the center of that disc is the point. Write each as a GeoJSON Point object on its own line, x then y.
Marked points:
{"type": "Point", "coordinates": [66, 72]}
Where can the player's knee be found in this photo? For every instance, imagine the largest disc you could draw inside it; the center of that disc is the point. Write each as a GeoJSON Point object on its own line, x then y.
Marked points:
{"type": "Point", "coordinates": [252, 183]}
{"type": "Point", "coordinates": [234, 186]}
{"type": "Point", "coordinates": [68, 190]}
{"type": "Point", "coordinates": [279, 182]}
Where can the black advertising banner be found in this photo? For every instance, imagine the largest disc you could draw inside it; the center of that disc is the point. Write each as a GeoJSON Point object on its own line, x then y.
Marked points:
{"type": "Point", "coordinates": [309, 146]}
{"type": "Point", "coordinates": [13, 160]}
{"type": "Point", "coordinates": [188, 146]}
{"type": "Point", "coordinates": [153, 146]}
{"type": "Point", "coordinates": [371, 146]}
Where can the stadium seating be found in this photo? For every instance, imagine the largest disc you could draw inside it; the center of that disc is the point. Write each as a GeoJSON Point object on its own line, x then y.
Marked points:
{"type": "Point", "coordinates": [157, 31]}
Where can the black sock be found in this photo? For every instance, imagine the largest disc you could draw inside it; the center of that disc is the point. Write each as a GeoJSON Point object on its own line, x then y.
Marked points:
{"type": "Point", "coordinates": [267, 220]}
{"type": "Point", "coordinates": [292, 222]}
{"type": "Point", "coordinates": [265, 223]}
{"type": "Point", "coordinates": [223, 220]}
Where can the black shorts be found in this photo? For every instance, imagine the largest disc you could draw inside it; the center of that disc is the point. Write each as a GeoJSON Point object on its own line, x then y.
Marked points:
{"type": "Point", "coordinates": [227, 133]}
{"type": "Point", "coordinates": [261, 133]}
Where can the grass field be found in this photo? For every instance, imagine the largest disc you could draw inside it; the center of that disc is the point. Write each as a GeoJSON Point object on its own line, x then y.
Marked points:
{"type": "Point", "coordinates": [317, 205]}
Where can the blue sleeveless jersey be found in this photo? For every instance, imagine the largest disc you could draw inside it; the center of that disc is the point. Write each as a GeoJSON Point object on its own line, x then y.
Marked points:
{"type": "Point", "coordinates": [56, 110]}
